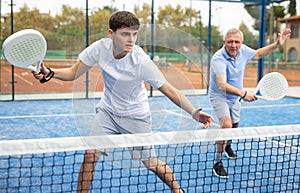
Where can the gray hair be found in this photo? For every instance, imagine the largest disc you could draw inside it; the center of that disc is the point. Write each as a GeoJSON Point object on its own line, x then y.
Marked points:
{"type": "Point", "coordinates": [234, 31]}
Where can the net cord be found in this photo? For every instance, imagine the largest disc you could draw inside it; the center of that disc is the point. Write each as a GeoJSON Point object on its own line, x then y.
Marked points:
{"type": "Point", "coordinates": [50, 145]}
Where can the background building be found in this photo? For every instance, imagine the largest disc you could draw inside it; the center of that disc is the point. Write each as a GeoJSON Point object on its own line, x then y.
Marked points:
{"type": "Point", "coordinates": [292, 48]}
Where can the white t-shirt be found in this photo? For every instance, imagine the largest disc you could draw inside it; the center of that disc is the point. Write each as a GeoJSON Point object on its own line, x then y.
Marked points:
{"type": "Point", "coordinates": [124, 90]}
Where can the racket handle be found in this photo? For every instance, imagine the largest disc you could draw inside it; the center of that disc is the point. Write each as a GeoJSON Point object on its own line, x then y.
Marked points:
{"type": "Point", "coordinates": [241, 100]}
{"type": "Point", "coordinates": [35, 68]}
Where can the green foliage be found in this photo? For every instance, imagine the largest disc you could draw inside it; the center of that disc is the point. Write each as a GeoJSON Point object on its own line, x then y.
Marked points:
{"type": "Point", "coordinates": [254, 12]}
{"type": "Point", "coordinates": [144, 14]}
{"type": "Point", "coordinates": [67, 30]}
{"type": "Point", "coordinates": [70, 21]}
{"type": "Point", "coordinates": [186, 20]}
{"type": "Point", "coordinates": [64, 31]}
{"type": "Point", "coordinates": [249, 39]}
{"type": "Point", "coordinates": [292, 8]}
{"type": "Point", "coordinates": [279, 11]}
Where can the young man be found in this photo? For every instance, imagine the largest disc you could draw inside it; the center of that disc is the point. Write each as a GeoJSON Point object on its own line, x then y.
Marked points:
{"type": "Point", "coordinates": [124, 108]}
{"type": "Point", "coordinates": [226, 85]}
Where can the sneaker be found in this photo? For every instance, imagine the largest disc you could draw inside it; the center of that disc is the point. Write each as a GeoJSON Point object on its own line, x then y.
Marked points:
{"type": "Point", "coordinates": [229, 153]}
{"type": "Point", "coordinates": [219, 170]}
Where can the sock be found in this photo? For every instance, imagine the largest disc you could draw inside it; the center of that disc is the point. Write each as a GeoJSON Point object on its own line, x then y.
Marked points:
{"type": "Point", "coordinates": [218, 157]}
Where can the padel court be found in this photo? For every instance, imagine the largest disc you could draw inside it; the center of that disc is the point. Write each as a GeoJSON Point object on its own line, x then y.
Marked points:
{"type": "Point", "coordinates": [264, 164]}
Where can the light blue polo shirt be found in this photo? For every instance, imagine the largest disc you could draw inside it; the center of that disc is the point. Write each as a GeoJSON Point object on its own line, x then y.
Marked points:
{"type": "Point", "coordinates": [233, 68]}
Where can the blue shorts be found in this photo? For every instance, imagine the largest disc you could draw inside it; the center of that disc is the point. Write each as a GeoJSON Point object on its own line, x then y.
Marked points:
{"type": "Point", "coordinates": [107, 123]}
{"type": "Point", "coordinates": [224, 108]}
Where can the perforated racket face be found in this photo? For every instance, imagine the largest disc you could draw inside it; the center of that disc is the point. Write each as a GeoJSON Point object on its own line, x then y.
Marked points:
{"type": "Point", "coordinates": [25, 48]}
{"type": "Point", "coordinates": [273, 86]}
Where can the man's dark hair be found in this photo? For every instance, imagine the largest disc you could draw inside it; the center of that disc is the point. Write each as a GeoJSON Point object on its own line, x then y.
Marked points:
{"type": "Point", "coordinates": [123, 19]}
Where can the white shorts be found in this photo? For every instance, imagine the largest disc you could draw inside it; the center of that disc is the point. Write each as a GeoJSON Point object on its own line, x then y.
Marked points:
{"type": "Point", "coordinates": [223, 108]}
{"type": "Point", "coordinates": [107, 123]}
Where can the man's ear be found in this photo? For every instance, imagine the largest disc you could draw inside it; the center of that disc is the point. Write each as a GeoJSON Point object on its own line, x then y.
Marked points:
{"type": "Point", "coordinates": [110, 32]}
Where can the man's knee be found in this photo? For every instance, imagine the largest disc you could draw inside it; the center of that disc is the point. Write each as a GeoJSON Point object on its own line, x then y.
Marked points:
{"type": "Point", "coordinates": [91, 156]}
{"type": "Point", "coordinates": [226, 122]}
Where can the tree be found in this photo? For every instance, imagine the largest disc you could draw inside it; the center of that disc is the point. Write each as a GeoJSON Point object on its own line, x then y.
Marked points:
{"type": "Point", "coordinates": [66, 30]}
{"type": "Point", "coordinates": [98, 24]}
{"type": "Point", "coordinates": [176, 17]}
{"type": "Point", "coordinates": [70, 25]}
{"type": "Point", "coordinates": [187, 20]}
{"type": "Point", "coordinates": [143, 14]}
{"type": "Point", "coordinates": [254, 12]}
{"type": "Point", "coordinates": [216, 38]}
{"type": "Point", "coordinates": [292, 8]}
{"type": "Point", "coordinates": [70, 21]}
{"type": "Point", "coordinates": [249, 39]}
{"type": "Point", "coordinates": [27, 18]}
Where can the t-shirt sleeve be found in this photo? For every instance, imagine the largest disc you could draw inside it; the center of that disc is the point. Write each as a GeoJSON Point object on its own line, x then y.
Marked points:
{"type": "Point", "coordinates": [152, 75]}
{"type": "Point", "coordinates": [249, 52]}
{"type": "Point", "coordinates": [149, 72]}
{"type": "Point", "coordinates": [88, 55]}
{"type": "Point", "coordinates": [218, 65]}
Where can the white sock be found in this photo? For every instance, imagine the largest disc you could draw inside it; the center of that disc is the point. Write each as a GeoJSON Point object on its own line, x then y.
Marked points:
{"type": "Point", "coordinates": [218, 157]}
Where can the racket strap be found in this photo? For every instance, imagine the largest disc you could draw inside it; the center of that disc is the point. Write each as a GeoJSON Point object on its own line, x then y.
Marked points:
{"type": "Point", "coordinates": [47, 77]}
{"type": "Point", "coordinates": [241, 100]}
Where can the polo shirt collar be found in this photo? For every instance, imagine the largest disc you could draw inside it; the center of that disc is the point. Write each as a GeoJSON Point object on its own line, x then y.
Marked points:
{"type": "Point", "coordinates": [227, 56]}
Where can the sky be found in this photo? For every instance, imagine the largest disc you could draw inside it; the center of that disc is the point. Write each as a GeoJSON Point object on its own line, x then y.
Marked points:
{"type": "Point", "coordinates": [225, 15]}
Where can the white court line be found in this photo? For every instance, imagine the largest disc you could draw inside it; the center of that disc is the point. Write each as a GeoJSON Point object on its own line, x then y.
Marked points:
{"type": "Point", "coordinates": [174, 112]}
{"type": "Point", "coordinates": [250, 107]}
{"type": "Point", "coordinates": [189, 117]}
{"type": "Point", "coordinates": [20, 77]}
{"type": "Point", "coordinates": [30, 83]}
{"type": "Point", "coordinates": [256, 107]}
{"type": "Point", "coordinates": [272, 106]}
{"type": "Point", "coordinates": [43, 116]}
{"type": "Point", "coordinates": [178, 114]}
{"type": "Point", "coordinates": [265, 138]}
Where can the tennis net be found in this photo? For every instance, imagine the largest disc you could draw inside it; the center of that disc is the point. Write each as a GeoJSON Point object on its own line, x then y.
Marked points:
{"type": "Point", "coordinates": [268, 160]}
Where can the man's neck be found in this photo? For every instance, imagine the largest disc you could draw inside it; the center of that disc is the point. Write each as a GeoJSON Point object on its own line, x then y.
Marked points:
{"type": "Point", "coordinates": [120, 55]}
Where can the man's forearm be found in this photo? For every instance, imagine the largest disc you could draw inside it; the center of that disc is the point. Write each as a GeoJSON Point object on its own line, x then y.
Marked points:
{"type": "Point", "coordinates": [262, 52]}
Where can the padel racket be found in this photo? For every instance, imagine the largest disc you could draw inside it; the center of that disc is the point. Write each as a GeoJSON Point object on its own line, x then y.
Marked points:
{"type": "Point", "coordinates": [273, 86]}
{"type": "Point", "coordinates": [25, 49]}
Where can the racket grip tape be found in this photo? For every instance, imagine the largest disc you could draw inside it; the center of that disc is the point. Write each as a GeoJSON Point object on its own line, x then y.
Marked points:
{"type": "Point", "coordinates": [47, 77]}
